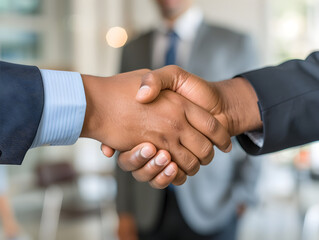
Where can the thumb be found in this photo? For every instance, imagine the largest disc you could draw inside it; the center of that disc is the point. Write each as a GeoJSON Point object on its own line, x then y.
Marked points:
{"type": "Point", "coordinates": [152, 83]}
{"type": "Point", "coordinates": [176, 79]}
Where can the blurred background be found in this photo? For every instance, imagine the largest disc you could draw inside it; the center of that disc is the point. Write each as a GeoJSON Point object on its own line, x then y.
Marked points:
{"type": "Point", "coordinates": [69, 192]}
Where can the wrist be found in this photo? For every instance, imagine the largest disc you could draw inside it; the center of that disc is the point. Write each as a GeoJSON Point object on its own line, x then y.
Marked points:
{"type": "Point", "coordinates": [91, 123]}
{"type": "Point", "coordinates": [240, 105]}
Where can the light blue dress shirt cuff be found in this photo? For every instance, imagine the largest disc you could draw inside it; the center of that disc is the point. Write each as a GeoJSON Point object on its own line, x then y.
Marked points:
{"type": "Point", "coordinates": [64, 109]}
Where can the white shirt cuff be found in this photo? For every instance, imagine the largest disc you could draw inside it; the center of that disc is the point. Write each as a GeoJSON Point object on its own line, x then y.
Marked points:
{"type": "Point", "coordinates": [256, 137]}
{"type": "Point", "coordinates": [64, 109]}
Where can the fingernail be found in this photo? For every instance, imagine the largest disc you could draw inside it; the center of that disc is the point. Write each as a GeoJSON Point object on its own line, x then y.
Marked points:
{"type": "Point", "coordinates": [229, 148]}
{"type": "Point", "coordinates": [161, 159]}
{"type": "Point", "coordinates": [104, 152]}
{"type": "Point", "coordinates": [146, 152]}
{"type": "Point", "coordinates": [143, 91]}
{"type": "Point", "coordinates": [169, 171]}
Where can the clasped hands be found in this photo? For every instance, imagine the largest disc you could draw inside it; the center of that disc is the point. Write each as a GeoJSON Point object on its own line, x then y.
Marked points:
{"type": "Point", "coordinates": [166, 122]}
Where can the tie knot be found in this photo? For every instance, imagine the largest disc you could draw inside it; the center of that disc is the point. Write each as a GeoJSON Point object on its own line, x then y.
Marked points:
{"type": "Point", "coordinates": [172, 34]}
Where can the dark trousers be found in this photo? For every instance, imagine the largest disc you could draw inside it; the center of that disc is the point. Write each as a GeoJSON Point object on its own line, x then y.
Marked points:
{"type": "Point", "coordinates": [173, 227]}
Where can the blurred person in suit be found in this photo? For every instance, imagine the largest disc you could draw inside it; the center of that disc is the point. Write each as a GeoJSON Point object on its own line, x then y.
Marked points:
{"type": "Point", "coordinates": [208, 205]}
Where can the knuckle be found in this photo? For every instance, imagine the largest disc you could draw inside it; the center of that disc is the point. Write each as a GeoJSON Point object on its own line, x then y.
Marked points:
{"type": "Point", "coordinates": [180, 179]}
{"type": "Point", "coordinates": [138, 177]}
{"type": "Point", "coordinates": [143, 72]}
{"type": "Point", "coordinates": [187, 162]}
{"type": "Point", "coordinates": [163, 139]}
{"type": "Point", "coordinates": [146, 70]}
{"type": "Point", "coordinates": [153, 184]}
{"type": "Point", "coordinates": [180, 75]}
{"type": "Point", "coordinates": [141, 177]}
{"type": "Point", "coordinates": [192, 166]}
{"type": "Point", "coordinates": [195, 169]}
{"type": "Point", "coordinates": [122, 164]}
{"type": "Point", "coordinates": [176, 125]}
{"type": "Point", "coordinates": [211, 124]}
{"type": "Point", "coordinates": [157, 184]}
{"type": "Point", "coordinates": [148, 77]}
{"type": "Point", "coordinates": [207, 160]}
{"type": "Point", "coordinates": [207, 150]}
{"type": "Point", "coordinates": [134, 164]}
{"type": "Point", "coordinates": [129, 164]}
{"type": "Point", "coordinates": [225, 143]}
{"type": "Point", "coordinates": [173, 68]}
{"type": "Point", "coordinates": [179, 71]}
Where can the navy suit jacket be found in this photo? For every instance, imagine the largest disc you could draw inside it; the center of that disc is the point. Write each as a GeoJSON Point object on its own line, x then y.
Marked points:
{"type": "Point", "coordinates": [288, 97]}
{"type": "Point", "coordinates": [21, 106]}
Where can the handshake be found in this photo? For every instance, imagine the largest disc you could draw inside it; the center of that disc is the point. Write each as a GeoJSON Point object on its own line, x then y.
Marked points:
{"type": "Point", "coordinates": [166, 122]}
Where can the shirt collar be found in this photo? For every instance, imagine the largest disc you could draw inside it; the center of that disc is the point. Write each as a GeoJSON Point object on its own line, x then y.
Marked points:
{"type": "Point", "coordinates": [186, 25]}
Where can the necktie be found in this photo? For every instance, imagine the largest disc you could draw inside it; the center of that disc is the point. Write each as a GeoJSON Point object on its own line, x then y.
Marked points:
{"type": "Point", "coordinates": [170, 57]}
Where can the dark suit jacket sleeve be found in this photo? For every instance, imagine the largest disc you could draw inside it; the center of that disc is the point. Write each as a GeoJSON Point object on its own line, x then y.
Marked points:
{"type": "Point", "coordinates": [289, 104]}
{"type": "Point", "coordinates": [21, 106]}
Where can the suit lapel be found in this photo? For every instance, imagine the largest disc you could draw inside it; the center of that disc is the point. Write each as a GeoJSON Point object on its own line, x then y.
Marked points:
{"type": "Point", "coordinates": [196, 57]}
{"type": "Point", "coordinates": [203, 48]}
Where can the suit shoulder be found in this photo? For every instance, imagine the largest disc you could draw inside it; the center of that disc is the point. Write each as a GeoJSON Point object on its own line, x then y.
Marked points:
{"type": "Point", "coordinates": [225, 32]}
{"type": "Point", "coordinates": [138, 41]}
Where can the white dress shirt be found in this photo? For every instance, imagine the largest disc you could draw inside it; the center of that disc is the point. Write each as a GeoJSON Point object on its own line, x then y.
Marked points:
{"type": "Point", "coordinates": [256, 137]}
{"type": "Point", "coordinates": [186, 28]}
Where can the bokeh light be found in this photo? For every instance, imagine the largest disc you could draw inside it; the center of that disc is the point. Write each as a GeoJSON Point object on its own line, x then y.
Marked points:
{"type": "Point", "coordinates": [116, 37]}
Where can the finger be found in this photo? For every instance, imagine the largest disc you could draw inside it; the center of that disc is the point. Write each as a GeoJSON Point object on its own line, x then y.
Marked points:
{"type": "Point", "coordinates": [107, 151]}
{"type": "Point", "coordinates": [153, 167]}
{"type": "Point", "coordinates": [168, 175]}
{"type": "Point", "coordinates": [169, 77]}
{"type": "Point", "coordinates": [209, 126]}
{"type": "Point", "coordinates": [198, 144]}
{"type": "Point", "coordinates": [137, 157]}
{"type": "Point", "coordinates": [185, 160]}
{"type": "Point", "coordinates": [180, 178]}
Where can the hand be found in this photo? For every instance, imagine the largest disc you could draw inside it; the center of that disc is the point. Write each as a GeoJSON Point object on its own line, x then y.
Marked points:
{"type": "Point", "coordinates": [114, 117]}
{"type": "Point", "coordinates": [233, 102]}
{"type": "Point", "coordinates": [127, 229]}
{"type": "Point", "coordinates": [147, 165]}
